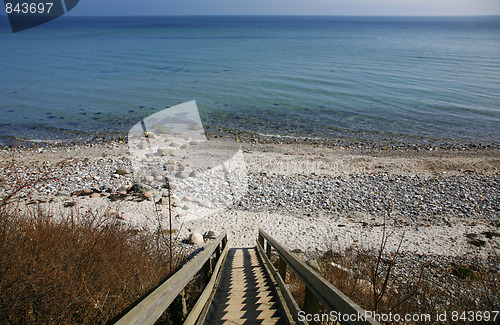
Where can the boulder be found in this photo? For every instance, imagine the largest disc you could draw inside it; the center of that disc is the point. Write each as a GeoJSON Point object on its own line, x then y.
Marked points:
{"type": "Point", "coordinates": [140, 188]}
{"type": "Point", "coordinates": [196, 238]}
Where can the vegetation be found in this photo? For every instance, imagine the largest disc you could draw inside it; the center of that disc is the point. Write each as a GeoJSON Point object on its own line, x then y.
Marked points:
{"type": "Point", "coordinates": [81, 268]}
{"type": "Point", "coordinates": [383, 282]}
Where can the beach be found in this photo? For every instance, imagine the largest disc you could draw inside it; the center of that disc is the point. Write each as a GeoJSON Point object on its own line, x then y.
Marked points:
{"type": "Point", "coordinates": [309, 197]}
{"type": "Point", "coordinates": [367, 146]}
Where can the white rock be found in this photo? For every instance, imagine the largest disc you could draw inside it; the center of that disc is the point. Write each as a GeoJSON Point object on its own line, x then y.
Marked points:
{"type": "Point", "coordinates": [196, 238]}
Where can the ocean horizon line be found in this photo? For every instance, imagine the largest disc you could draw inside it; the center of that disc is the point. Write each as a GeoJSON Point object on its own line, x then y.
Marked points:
{"type": "Point", "coordinates": [71, 15]}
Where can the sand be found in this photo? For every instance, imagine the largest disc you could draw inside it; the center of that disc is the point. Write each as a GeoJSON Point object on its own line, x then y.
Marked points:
{"type": "Point", "coordinates": [312, 233]}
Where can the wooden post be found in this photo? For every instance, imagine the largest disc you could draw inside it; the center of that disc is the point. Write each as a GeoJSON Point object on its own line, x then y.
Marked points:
{"type": "Point", "coordinates": [261, 241]}
{"type": "Point", "coordinates": [184, 306]}
{"type": "Point", "coordinates": [311, 303]}
{"type": "Point", "coordinates": [208, 267]}
{"type": "Point", "coordinates": [268, 251]}
{"type": "Point", "coordinates": [218, 251]}
{"type": "Point", "coordinates": [179, 308]}
{"type": "Point", "coordinates": [282, 268]}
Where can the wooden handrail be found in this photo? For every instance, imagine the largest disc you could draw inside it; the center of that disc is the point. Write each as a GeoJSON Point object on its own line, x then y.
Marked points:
{"type": "Point", "coordinates": [155, 304]}
{"type": "Point", "coordinates": [317, 288]}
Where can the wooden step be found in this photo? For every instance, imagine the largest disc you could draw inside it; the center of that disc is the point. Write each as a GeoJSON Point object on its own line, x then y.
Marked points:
{"type": "Point", "coordinates": [245, 294]}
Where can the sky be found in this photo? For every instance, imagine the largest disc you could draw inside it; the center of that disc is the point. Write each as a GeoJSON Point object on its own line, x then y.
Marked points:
{"type": "Point", "coordinates": [288, 7]}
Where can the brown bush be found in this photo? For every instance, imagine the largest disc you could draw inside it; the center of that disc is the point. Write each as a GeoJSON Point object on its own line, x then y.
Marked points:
{"type": "Point", "coordinates": [72, 270]}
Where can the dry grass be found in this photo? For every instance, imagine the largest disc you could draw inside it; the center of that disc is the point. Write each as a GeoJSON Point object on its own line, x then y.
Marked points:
{"type": "Point", "coordinates": [76, 269]}
{"type": "Point", "coordinates": [386, 283]}
{"type": "Point", "coordinates": [72, 271]}
{"type": "Point", "coordinates": [438, 289]}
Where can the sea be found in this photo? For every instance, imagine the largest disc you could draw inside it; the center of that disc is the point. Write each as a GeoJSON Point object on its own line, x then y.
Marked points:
{"type": "Point", "coordinates": [399, 79]}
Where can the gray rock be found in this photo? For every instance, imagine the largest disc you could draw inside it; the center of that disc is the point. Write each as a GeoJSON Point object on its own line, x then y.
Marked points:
{"type": "Point", "coordinates": [195, 174]}
{"type": "Point", "coordinates": [62, 194]}
{"type": "Point", "coordinates": [123, 188]}
{"type": "Point", "coordinates": [210, 235]}
{"type": "Point", "coordinates": [140, 188]}
{"type": "Point", "coordinates": [182, 175]}
{"type": "Point", "coordinates": [163, 152]}
{"type": "Point", "coordinates": [315, 265]}
{"type": "Point", "coordinates": [164, 201]}
{"type": "Point", "coordinates": [204, 203]}
{"type": "Point", "coordinates": [301, 256]}
{"type": "Point", "coordinates": [159, 173]}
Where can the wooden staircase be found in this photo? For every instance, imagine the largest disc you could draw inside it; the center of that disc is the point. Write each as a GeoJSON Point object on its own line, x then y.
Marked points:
{"type": "Point", "coordinates": [244, 287]}
{"type": "Point", "coordinates": [245, 293]}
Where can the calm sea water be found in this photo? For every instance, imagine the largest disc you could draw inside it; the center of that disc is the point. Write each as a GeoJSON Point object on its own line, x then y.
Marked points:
{"type": "Point", "coordinates": [405, 79]}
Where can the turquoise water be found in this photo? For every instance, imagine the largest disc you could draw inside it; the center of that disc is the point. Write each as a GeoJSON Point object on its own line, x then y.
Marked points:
{"type": "Point", "coordinates": [403, 79]}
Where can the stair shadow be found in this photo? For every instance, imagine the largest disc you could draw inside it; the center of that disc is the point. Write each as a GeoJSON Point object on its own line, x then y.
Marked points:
{"type": "Point", "coordinates": [245, 292]}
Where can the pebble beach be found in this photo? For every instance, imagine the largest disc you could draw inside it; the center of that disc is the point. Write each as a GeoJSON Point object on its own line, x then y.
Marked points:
{"type": "Point", "coordinates": [440, 206]}
{"type": "Point", "coordinates": [442, 202]}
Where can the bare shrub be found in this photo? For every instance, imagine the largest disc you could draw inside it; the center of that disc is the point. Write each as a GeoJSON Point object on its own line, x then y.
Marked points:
{"type": "Point", "coordinates": [75, 269]}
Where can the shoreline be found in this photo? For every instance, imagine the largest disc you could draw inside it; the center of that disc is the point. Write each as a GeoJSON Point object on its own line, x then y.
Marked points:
{"type": "Point", "coordinates": [216, 133]}
{"type": "Point", "coordinates": [310, 198]}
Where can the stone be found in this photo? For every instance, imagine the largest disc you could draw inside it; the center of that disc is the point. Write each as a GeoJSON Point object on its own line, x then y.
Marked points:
{"type": "Point", "coordinates": [122, 172]}
{"type": "Point", "coordinates": [163, 152]}
{"type": "Point", "coordinates": [148, 195]}
{"type": "Point", "coordinates": [69, 204]}
{"type": "Point", "coordinates": [95, 195]}
{"type": "Point", "coordinates": [85, 192]}
{"type": "Point", "coordinates": [204, 203]}
{"type": "Point", "coordinates": [301, 256]}
{"type": "Point", "coordinates": [140, 188]}
{"type": "Point", "coordinates": [477, 242]}
{"type": "Point", "coordinates": [159, 173]}
{"type": "Point", "coordinates": [163, 201]}
{"type": "Point", "coordinates": [332, 254]}
{"type": "Point", "coordinates": [315, 265]}
{"type": "Point", "coordinates": [196, 238]}
{"type": "Point", "coordinates": [195, 174]}
{"type": "Point", "coordinates": [171, 168]}
{"type": "Point", "coordinates": [62, 194]}
{"type": "Point", "coordinates": [210, 235]}
{"type": "Point", "coordinates": [187, 170]}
